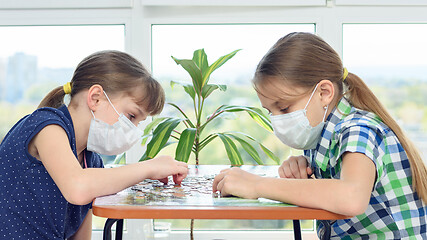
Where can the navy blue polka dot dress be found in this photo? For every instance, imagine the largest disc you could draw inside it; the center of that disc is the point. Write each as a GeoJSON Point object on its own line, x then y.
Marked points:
{"type": "Point", "coordinates": [31, 205]}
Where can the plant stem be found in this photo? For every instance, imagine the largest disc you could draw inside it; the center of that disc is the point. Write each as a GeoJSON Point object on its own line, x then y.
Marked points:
{"type": "Point", "coordinates": [198, 129]}
{"type": "Point", "coordinates": [177, 138]}
{"type": "Point", "coordinates": [199, 101]}
{"type": "Point", "coordinates": [201, 109]}
{"type": "Point", "coordinates": [191, 229]}
{"type": "Point", "coordinates": [196, 145]}
{"type": "Point", "coordinates": [195, 108]}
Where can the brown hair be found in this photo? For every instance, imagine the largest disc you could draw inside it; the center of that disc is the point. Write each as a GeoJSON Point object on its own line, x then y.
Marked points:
{"type": "Point", "coordinates": [303, 59]}
{"type": "Point", "coordinates": [116, 72]}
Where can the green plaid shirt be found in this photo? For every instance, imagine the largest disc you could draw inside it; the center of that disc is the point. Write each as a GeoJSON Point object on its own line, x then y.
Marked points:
{"type": "Point", "coordinates": [395, 211]}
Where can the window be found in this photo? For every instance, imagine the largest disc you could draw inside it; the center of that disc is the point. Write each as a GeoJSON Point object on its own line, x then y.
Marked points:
{"type": "Point", "coordinates": [390, 59]}
{"type": "Point", "coordinates": [254, 39]}
{"type": "Point", "coordinates": [36, 59]}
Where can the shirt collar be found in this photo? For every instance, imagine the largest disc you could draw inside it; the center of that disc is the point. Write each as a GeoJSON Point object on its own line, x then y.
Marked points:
{"type": "Point", "coordinates": [321, 154]}
{"type": "Point", "coordinates": [342, 110]}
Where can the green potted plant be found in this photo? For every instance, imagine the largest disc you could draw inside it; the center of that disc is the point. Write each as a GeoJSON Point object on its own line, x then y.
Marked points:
{"type": "Point", "coordinates": [192, 138]}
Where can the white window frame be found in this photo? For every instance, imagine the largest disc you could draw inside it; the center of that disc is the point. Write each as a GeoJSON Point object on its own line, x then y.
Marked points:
{"type": "Point", "coordinates": [139, 15]}
{"type": "Point", "coordinates": [381, 2]}
{"type": "Point", "coordinates": [233, 3]}
{"type": "Point", "coordinates": [64, 4]}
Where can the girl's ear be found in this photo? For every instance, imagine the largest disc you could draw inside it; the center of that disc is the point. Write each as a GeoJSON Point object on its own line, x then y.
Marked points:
{"type": "Point", "coordinates": [94, 95]}
{"type": "Point", "coordinates": [327, 91]}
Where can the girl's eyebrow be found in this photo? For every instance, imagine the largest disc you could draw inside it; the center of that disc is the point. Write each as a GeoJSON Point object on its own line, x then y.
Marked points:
{"type": "Point", "coordinates": [140, 110]}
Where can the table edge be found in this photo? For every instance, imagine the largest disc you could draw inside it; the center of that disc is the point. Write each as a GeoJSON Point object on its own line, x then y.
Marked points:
{"type": "Point", "coordinates": [212, 212]}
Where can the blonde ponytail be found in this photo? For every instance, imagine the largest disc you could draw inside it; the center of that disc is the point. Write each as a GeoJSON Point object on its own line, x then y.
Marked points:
{"type": "Point", "coordinates": [363, 98]}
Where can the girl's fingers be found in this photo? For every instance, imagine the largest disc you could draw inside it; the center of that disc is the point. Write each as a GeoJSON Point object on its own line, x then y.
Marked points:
{"type": "Point", "coordinates": [178, 178]}
{"type": "Point", "coordinates": [282, 172]}
{"type": "Point", "coordinates": [293, 165]}
{"type": "Point", "coordinates": [182, 170]}
{"type": "Point", "coordinates": [180, 174]}
{"type": "Point", "coordinates": [216, 181]}
{"type": "Point", "coordinates": [182, 164]}
{"type": "Point", "coordinates": [164, 180]}
{"type": "Point", "coordinates": [288, 173]}
{"type": "Point", "coordinates": [309, 171]}
{"type": "Point", "coordinates": [221, 189]}
{"type": "Point", "coordinates": [303, 172]}
{"type": "Point", "coordinates": [218, 178]}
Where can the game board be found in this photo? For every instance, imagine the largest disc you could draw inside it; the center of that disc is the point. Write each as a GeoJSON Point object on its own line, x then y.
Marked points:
{"type": "Point", "coordinates": [192, 186]}
{"type": "Point", "coordinates": [195, 190]}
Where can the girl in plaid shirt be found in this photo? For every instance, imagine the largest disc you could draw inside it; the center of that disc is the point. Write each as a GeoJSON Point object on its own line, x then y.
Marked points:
{"type": "Point", "coordinates": [363, 164]}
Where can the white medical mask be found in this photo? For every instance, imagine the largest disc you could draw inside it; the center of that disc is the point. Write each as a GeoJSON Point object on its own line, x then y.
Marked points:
{"type": "Point", "coordinates": [294, 129]}
{"type": "Point", "coordinates": [113, 139]}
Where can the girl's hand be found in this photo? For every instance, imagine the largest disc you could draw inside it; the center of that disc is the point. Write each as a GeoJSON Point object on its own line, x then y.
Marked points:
{"type": "Point", "coordinates": [295, 167]}
{"type": "Point", "coordinates": [235, 181]}
{"type": "Point", "coordinates": [163, 166]}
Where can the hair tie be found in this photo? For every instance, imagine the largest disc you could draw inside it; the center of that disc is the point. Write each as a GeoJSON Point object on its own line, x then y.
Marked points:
{"type": "Point", "coordinates": [345, 74]}
{"type": "Point", "coordinates": [67, 88]}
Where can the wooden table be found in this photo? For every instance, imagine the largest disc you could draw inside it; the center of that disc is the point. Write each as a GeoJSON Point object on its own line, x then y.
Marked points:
{"type": "Point", "coordinates": [125, 205]}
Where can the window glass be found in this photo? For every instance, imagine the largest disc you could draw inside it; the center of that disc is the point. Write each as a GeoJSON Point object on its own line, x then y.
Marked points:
{"type": "Point", "coordinates": [180, 41]}
{"type": "Point", "coordinates": [390, 58]}
{"type": "Point", "coordinates": [36, 59]}
{"type": "Point", "coordinates": [254, 40]}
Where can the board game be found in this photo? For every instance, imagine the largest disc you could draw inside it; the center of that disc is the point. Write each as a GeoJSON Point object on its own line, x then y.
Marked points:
{"type": "Point", "coordinates": [195, 190]}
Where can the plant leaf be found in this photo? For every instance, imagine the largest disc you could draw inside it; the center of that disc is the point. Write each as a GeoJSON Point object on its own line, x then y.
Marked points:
{"type": "Point", "coordinates": [218, 63]}
{"type": "Point", "coordinates": [160, 137]}
{"type": "Point", "coordinates": [201, 59]}
{"type": "Point", "coordinates": [207, 140]}
{"type": "Point", "coordinates": [209, 88]}
{"type": "Point", "coordinates": [185, 144]}
{"type": "Point", "coordinates": [149, 128]}
{"type": "Point", "coordinates": [120, 159]}
{"type": "Point", "coordinates": [187, 87]}
{"type": "Point", "coordinates": [233, 155]}
{"type": "Point", "coordinates": [145, 138]}
{"type": "Point", "coordinates": [194, 71]}
{"type": "Point", "coordinates": [187, 120]}
{"type": "Point", "coordinates": [255, 113]}
{"type": "Point", "coordinates": [269, 153]}
{"type": "Point", "coordinates": [248, 148]}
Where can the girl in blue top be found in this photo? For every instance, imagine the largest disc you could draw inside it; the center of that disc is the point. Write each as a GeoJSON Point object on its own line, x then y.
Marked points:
{"type": "Point", "coordinates": [363, 164]}
{"type": "Point", "coordinates": [50, 170]}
